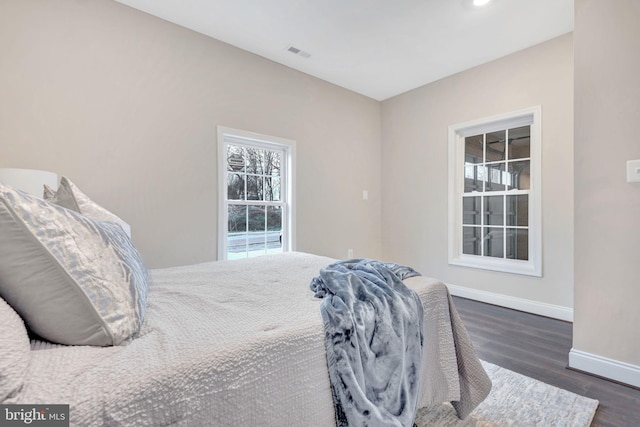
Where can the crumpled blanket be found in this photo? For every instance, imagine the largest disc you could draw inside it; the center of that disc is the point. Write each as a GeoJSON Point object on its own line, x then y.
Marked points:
{"type": "Point", "coordinates": [373, 336]}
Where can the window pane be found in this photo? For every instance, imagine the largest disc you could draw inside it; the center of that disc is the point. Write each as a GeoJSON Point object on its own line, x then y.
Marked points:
{"type": "Point", "coordinates": [517, 243]}
{"type": "Point", "coordinates": [235, 186]}
{"type": "Point", "coordinates": [254, 187]}
{"type": "Point", "coordinates": [272, 188]}
{"type": "Point", "coordinates": [519, 142]}
{"type": "Point", "coordinates": [272, 163]}
{"type": "Point", "coordinates": [256, 240]}
{"type": "Point", "coordinates": [262, 162]}
{"type": "Point", "coordinates": [493, 242]}
{"type": "Point", "coordinates": [257, 247]}
{"type": "Point", "coordinates": [274, 229]}
{"type": "Point", "coordinates": [493, 210]}
{"type": "Point", "coordinates": [237, 231]}
{"type": "Point", "coordinates": [473, 149]}
{"type": "Point", "coordinates": [496, 177]}
{"type": "Point", "coordinates": [496, 146]}
{"type": "Point", "coordinates": [257, 218]}
{"type": "Point", "coordinates": [235, 158]}
{"type": "Point", "coordinates": [518, 210]}
{"type": "Point", "coordinates": [274, 218]}
{"type": "Point", "coordinates": [237, 222]}
{"type": "Point", "coordinates": [253, 160]}
{"type": "Point", "coordinates": [473, 177]}
{"type": "Point", "coordinates": [471, 210]}
{"type": "Point", "coordinates": [519, 176]}
{"type": "Point", "coordinates": [471, 239]}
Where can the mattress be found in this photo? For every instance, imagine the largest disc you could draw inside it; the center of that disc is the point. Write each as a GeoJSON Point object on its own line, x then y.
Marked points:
{"type": "Point", "coordinates": [235, 343]}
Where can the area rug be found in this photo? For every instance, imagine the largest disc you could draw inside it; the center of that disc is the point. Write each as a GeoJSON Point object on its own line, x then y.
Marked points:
{"type": "Point", "coordinates": [519, 401]}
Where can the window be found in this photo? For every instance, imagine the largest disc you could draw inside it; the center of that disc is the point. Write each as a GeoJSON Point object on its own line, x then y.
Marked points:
{"type": "Point", "coordinates": [256, 175]}
{"type": "Point", "coordinates": [495, 193]}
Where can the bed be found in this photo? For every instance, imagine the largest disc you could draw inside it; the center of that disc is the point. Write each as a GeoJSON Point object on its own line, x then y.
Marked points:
{"type": "Point", "coordinates": [228, 343]}
{"type": "Point", "coordinates": [235, 343]}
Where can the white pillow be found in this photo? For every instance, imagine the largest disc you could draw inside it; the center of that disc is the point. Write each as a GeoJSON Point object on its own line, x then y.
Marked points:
{"type": "Point", "coordinates": [72, 279]}
{"type": "Point", "coordinates": [15, 351]}
{"type": "Point", "coordinates": [69, 196]}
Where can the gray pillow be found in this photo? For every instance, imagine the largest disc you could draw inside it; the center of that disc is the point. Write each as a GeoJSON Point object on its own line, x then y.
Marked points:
{"type": "Point", "coordinates": [69, 196]}
{"type": "Point", "coordinates": [72, 279]}
{"type": "Point", "coordinates": [15, 351]}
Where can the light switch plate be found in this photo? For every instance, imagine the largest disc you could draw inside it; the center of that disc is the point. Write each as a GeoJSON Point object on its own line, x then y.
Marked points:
{"type": "Point", "coordinates": [633, 171]}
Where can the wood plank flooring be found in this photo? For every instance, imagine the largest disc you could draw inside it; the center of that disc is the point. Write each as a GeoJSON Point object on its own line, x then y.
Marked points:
{"type": "Point", "coordinates": [538, 347]}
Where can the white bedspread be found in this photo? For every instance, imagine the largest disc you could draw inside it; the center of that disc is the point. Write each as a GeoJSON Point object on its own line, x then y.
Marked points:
{"type": "Point", "coordinates": [234, 343]}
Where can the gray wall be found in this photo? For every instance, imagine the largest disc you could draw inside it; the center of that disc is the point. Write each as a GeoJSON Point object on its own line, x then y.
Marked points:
{"type": "Point", "coordinates": [126, 105]}
{"type": "Point", "coordinates": [414, 173]}
{"type": "Point", "coordinates": [607, 208]}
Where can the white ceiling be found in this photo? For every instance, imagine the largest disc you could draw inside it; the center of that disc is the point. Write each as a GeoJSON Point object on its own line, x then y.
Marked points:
{"type": "Point", "coordinates": [379, 48]}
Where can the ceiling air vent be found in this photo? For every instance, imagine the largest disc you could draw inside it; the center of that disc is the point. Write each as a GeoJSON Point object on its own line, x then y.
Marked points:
{"type": "Point", "coordinates": [298, 52]}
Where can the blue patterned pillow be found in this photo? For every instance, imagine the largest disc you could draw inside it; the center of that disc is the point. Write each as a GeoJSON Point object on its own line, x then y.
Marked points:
{"type": "Point", "coordinates": [73, 280]}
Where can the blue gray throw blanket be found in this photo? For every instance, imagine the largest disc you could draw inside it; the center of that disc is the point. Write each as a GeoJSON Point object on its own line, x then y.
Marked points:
{"type": "Point", "coordinates": [373, 330]}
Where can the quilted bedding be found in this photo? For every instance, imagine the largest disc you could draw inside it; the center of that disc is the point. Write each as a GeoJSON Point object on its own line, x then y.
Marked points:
{"type": "Point", "coordinates": [236, 343]}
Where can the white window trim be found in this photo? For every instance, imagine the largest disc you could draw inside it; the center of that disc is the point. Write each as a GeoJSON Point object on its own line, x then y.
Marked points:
{"type": "Point", "coordinates": [457, 134]}
{"type": "Point", "coordinates": [288, 182]}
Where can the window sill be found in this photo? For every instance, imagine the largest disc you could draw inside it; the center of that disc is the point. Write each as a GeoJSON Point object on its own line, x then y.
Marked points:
{"type": "Point", "coordinates": [527, 268]}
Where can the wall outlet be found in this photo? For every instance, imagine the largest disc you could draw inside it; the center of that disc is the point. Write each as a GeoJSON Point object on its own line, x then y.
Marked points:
{"type": "Point", "coordinates": [349, 253]}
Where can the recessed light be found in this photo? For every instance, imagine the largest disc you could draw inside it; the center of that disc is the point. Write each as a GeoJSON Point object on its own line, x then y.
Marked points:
{"type": "Point", "coordinates": [480, 2]}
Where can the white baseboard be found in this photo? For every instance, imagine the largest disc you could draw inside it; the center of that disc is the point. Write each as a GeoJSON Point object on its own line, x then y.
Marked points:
{"type": "Point", "coordinates": [529, 306]}
{"type": "Point", "coordinates": [608, 368]}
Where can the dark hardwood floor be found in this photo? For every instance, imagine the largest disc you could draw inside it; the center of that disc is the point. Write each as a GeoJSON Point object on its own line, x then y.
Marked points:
{"type": "Point", "coordinates": [538, 347]}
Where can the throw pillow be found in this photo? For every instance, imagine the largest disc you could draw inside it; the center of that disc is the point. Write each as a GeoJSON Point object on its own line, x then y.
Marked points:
{"type": "Point", "coordinates": [69, 196]}
{"type": "Point", "coordinates": [73, 280]}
